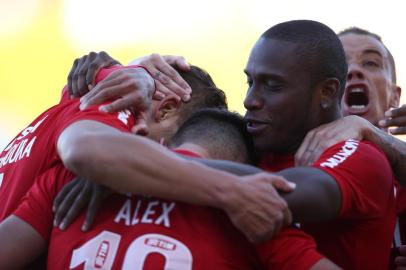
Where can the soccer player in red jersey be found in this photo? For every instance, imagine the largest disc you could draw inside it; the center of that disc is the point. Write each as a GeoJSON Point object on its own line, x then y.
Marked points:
{"type": "Point", "coordinates": [96, 122]}
{"type": "Point", "coordinates": [371, 90]}
{"type": "Point", "coordinates": [34, 150]}
{"type": "Point", "coordinates": [135, 232]}
{"type": "Point", "coordinates": [296, 75]}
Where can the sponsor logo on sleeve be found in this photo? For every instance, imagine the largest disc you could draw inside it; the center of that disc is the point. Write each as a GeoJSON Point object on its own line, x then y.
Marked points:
{"type": "Point", "coordinates": [346, 150]}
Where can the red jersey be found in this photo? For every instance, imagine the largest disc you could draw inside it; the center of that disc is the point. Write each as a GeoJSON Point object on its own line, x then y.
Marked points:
{"type": "Point", "coordinates": [360, 237]}
{"type": "Point", "coordinates": [33, 151]}
{"type": "Point", "coordinates": [136, 232]}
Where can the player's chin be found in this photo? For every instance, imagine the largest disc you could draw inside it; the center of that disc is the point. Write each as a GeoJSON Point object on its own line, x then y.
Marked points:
{"type": "Point", "coordinates": [263, 145]}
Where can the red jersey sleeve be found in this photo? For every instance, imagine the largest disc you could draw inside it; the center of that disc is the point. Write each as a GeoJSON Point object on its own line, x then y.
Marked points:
{"type": "Point", "coordinates": [363, 175]}
{"type": "Point", "coordinates": [36, 206]}
{"type": "Point", "coordinates": [291, 249]}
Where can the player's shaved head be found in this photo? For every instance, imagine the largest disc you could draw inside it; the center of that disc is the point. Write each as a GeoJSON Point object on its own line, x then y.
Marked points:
{"type": "Point", "coordinates": [319, 49]}
{"type": "Point", "coordinates": [222, 133]}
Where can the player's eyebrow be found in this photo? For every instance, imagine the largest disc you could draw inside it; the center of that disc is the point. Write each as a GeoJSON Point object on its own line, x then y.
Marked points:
{"type": "Point", "coordinates": [372, 51]}
{"type": "Point", "coordinates": [267, 75]}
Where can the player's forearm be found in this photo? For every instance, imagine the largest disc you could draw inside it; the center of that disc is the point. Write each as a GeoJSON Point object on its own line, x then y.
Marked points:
{"type": "Point", "coordinates": [129, 163]}
{"type": "Point", "coordinates": [230, 166]}
{"type": "Point", "coordinates": [316, 197]}
{"type": "Point", "coordinates": [325, 264]}
{"type": "Point", "coordinates": [394, 149]}
{"type": "Point", "coordinates": [20, 243]}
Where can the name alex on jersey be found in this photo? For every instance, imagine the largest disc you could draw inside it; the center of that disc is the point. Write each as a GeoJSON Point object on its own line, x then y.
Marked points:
{"type": "Point", "coordinates": [21, 146]}
{"type": "Point", "coordinates": [140, 210]}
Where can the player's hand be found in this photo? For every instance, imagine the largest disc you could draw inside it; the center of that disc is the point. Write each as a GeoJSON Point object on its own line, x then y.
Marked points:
{"type": "Point", "coordinates": [84, 70]}
{"type": "Point", "coordinates": [325, 136]}
{"type": "Point", "coordinates": [73, 198]}
{"type": "Point", "coordinates": [400, 261]}
{"type": "Point", "coordinates": [167, 79]}
{"type": "Point", "coordinates": [128, 87]}
{"type": "Point", "coordinates": [256, 208]}
{"type": "Point", "coordinates": [395, 118]}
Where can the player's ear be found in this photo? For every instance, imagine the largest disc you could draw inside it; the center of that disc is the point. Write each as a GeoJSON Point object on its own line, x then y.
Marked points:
{"type": "Point", "coordinates": [329, 90]}
{"type": "Point", "coordinates": [167, 108]}
{"type": "Point", "coordinates": [395, 97]}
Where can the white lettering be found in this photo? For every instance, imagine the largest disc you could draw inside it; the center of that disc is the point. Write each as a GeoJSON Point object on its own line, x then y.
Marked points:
{"type": "Point", "coordinates": [137, 209]}
{"type": "Point", "coordinates": [149, 212]}
{"type": "Point", "coordinates": [5, 158]}
{"type": "Point", "coordinates": [125, 213]}
{"type": "Point", "coordinates": [31, 129]}
{"type": "Point", "coordinates": [1, 178]}
{"type": "Point", "coordinates": [166, 208]}
{"type": "Point", "coordinates": [27, 150]}
{"type": "Point", "coordinates": [123, 116]}
{"type": "Point", "coordinates": [19, 152]}
{"type": "Point", "coordinates": [145, 212]}
{"type": "Point", "coordinates": [9, 145]}
{"type": "Point", "coordinates": [346, 150]}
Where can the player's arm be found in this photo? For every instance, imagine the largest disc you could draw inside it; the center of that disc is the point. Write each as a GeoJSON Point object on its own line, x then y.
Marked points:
{"type": "Point", "coordinates": [354, 127]}
{"type": "Point", "coordinates": [229, 166]}
{"type": "Point", "coordinates": [20, 243]}
{"type": "Point", "coordinates": [317, 196]}
{"type": "Point", "coordinates": [135, 164]}
{"type": "Point", "coordinates": [325, 264]}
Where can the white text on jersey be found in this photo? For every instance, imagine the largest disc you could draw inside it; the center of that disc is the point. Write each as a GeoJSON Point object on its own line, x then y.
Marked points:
{"type": "Point", "coordinates": [132, 214]}
{"type": "Point", "coordinates": [20, 147]}
{"type": "Point", "coordinates": [346, 150]}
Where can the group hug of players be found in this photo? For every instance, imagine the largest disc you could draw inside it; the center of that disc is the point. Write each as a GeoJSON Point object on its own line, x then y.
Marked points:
{"type": "Point", "coordinates": [143, 167]}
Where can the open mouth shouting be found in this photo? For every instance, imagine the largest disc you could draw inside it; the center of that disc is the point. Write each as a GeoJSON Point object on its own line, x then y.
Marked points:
{"type": "Point", "coordinates": [356, 99]}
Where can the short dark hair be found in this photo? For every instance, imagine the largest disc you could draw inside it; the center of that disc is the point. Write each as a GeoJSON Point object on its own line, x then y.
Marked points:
{"type": "Point", "coordinates": [360, 31]}
{"type": "Point", "coordinates": [319, 49]}
{"type": "Point", "coordinates": [205, 93]}
{"type": "Point", "coordinates": [219, 131]}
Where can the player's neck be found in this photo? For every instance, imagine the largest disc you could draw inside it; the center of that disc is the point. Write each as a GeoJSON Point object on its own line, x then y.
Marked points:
{"type": "Point", "coordinates": [196, 149]}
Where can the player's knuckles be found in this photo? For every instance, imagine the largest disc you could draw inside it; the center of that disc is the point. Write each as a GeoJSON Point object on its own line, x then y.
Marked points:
{"type": "Point", "coordinates": [319, 134]}
{"type": "Point", "coordinates": [165, 80]}
{"type": "Point", "coordinates": [92, 55]}
{"type": "Point", "coordinates": [75, 76]}
{"type": "Point", "coordinates": [130, 84]}
{"type": "Point", "coordinates": [171, 73]}
{"type": "Point", "coordinates": [155, 58]}
{"type": "Point", "coordinates": [399, 111]}
{"type": "Point", "coordinates": [278, 217]}
{"type": "Point", "coordinates": [94, 66]}
{"type": "Point", "coordinates": [104, 56]}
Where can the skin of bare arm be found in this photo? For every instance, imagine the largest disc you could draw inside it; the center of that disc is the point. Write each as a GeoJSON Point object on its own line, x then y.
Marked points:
{"type": "Point", "coordinates": [94, 159]}
{"type": "Point", "coordinates": [316, 197]}
{"type": "Point", "coordinates": [20, 243]}
{"type": "Point", "coordinates": [325, 264]}
{"type": "Point", "coordinates": [394, 149]}
{"type": "Point", "coordinates": [95, 151]}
